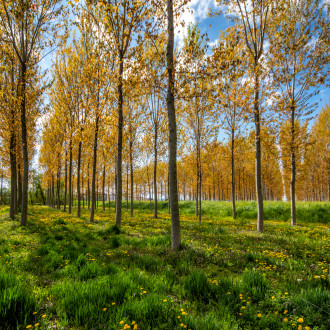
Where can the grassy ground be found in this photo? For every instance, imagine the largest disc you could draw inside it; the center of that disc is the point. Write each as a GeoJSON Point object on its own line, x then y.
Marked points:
{"type": "Point", "coordinates": [63, 273]}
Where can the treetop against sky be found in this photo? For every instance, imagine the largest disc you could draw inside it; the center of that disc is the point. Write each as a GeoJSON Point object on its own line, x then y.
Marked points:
{"type": "Point", "coordinates": [212, 18]}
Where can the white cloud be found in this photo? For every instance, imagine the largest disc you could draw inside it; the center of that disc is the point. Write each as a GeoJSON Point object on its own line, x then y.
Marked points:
{"type": "Point", "coordinates": [195, 11]}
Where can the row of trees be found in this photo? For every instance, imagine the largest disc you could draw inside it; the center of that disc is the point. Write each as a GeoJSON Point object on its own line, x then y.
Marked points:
{"type": "Point", "coordinates": [112, 89]}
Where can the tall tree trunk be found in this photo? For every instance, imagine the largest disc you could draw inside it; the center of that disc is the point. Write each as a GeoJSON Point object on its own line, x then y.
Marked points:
{"type": "Point", "coordinates": [94, 169]}
{"type": "Point", "coordinates": [83, 188]}
{"type": "Point", "coordinates": [119, 189]}
{"type": "Point", "coordinates": [293, 168]}
{"type": "Point", "coordinates": [200, 190]}
{"type": "Point", "coordinates": [127, 187]}
{"type": "Point", "coordinates": [13, 172]}
{"type": "Point", "coordinates": [149, 187]}
{"type": "Point", "coordinates": [65, 179]}
{"type": "Point", "coordinates": [233, 172]}
{"type": "Point", "coordinates": [53, 192]}
{"type": "Point", "coordinates": [260, 223]}
{"type": "Point", "coordinates": [24, 146]}
{"type": "Point", "coordinates": [197, 187]}
{"type": "Point", "coordinates": [155, 173]}
{"type": "Point", "coordinates": [58, 184]}
{"type": "Point", "coordinates": [109, 195]}
{"type": "Point", "coordinates": [88, 188]}
{"type": "Point", "coordinates": [19, 186]}
{"type": "Point", "coordinates": [78, 175]}
{"type": "Point", "coordinates": [1, 188]}
{"type": "Point", "coordinates": [175, 216]}
{"type": "Point", "coordinates": [12, 153]}
{"type": "Point", "coordinates": [103, 187]}
{"type": "Point", "coordinates": [131, 171]}
{"type": "Point", "coordinates": [70, 174]}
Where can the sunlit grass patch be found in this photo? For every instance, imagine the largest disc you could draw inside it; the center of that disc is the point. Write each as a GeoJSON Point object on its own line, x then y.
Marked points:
{"type": "Point", "coordinates": [226, 276]}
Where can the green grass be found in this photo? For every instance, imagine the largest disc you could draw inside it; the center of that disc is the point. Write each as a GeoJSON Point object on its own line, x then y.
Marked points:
{"type": "Point", "coordinates": [310, 212]}
{"type": "Point", "coordinates": [65, 273]}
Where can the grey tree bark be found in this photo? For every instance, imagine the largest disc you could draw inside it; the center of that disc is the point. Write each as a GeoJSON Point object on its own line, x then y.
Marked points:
{"type": "Point", "coordinates": [173, 188]}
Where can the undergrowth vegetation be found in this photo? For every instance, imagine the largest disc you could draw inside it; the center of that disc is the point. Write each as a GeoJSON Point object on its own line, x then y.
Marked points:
{"type": "Point", "coordinates": [64, 273]}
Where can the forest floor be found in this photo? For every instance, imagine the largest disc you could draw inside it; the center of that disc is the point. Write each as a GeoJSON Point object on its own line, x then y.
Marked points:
{"type": "Point", "coordinates": [60, 272]}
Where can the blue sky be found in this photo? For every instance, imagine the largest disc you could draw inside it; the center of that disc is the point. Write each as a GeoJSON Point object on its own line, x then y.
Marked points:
{"type": "Point", "coordinates": [200, 15]}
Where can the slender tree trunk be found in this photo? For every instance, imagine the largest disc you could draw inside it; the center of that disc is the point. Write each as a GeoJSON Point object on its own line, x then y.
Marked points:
{"type": "Point", "coordinates": [88, 188]}
{"type": "Point", "coordinates": [19, 187]}
{"type": "Point", "coordinates": [83, 188]}
{"type": "Point", "coordinates": [119, 189]}
{"type": "Point", "coordinates": [197, 187]}
{"type": "Point", "coordinates": [24, 146]}
{"type": "Point", "coordinates": [58, 184]}
{"type": "Point", "coordinates": [103, 187]}
{"type": "Point", "coordinates": [94, 169]}
{"type": "Point", "coordinates": [53, 192]}
{"type": "Point", "coordinates": [127, 187]}
{"type": "Point", "coordinates": [1, 188]}
{"type": "Point", "coordinates": [109, 195]}
{"type": "Point", "coordinates": [131, 171]}
{"type": "Point", "coordinates": [155, 173]}
{"type": "Point", "coordinates": [65, 179]}
{"type": "Point", "coordinates": [200, 192]}
{"type": "Point", "coordinates": [70, 174]}
{"type": "Point", "coordinates": [293, 168]}
{"type": "Point", "coordinates": [260, 223]}
{"type": "Point", "coordinates": [175, 217]}
{"type": "Point", "coordinates": [13, 171]}
{"type": "Point", "coordinates": [233, 172]}
{"type": "Point", "coordinates": [149, 187]}
{"type": "Point", "coordinates": [78, 175]}
{"type": "Point", "coordinates": [13, 154]}
{"type": "Point", "coordinates": [168, 194]}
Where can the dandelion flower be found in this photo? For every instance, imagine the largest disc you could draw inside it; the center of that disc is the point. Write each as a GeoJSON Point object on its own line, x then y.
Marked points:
{"type": "Point", "coordinates": [259, 315]}
{"type": "Point", "coordinates": [300, 320]}
{"type": "Point", "coordinates": [104, 309]}
{"type": "Point", "coordinates": [29, 326]}
{"type": "Point", "coordinates": [37, 324]}
{"type": "Point", "coordinates": [43, 315]}
{"type": "Point", "coordinates": [285, 320]}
